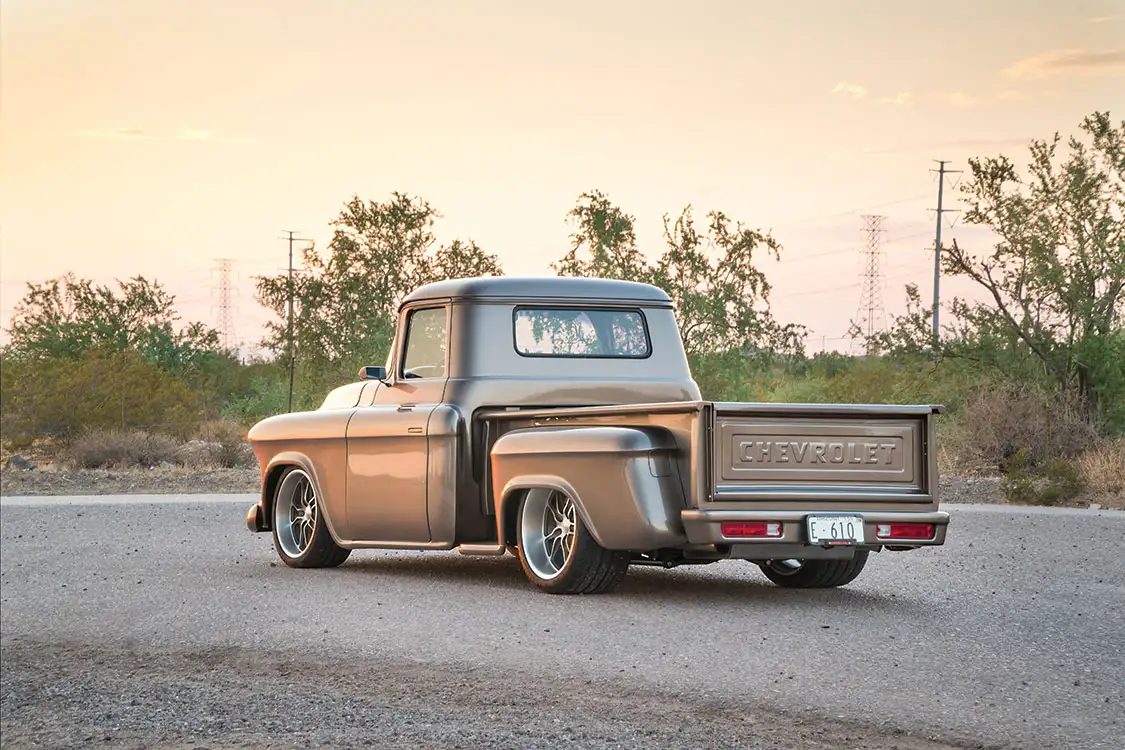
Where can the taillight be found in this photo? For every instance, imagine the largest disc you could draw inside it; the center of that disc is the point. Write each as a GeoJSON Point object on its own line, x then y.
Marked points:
{"type": "Point", "coordinates": [904, 530]}
{"type": "Point", "coordinates": [766, 529]}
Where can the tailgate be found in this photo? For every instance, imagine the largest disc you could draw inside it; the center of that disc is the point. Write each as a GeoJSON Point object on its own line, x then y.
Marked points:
{"type": "Point", "coordinates": [822, 452]}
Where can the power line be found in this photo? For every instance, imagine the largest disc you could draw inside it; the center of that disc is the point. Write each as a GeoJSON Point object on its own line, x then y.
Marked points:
{"type": "Point", "coordinates": [871, 313]}
{"type": "Point", "coordinates": [851, 212]}
{"type": "Point", "coordinates": [851, 248]}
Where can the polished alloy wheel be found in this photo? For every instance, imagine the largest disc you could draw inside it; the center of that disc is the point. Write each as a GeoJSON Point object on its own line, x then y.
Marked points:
{"type": "Point", "coordinates": [294, 513]}
{"type": "Point", "coordinates": [550, 519]}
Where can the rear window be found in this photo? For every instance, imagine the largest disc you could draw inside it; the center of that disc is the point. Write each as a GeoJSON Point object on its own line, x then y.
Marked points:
{"type": "Point", "coordinates": [581, 332]}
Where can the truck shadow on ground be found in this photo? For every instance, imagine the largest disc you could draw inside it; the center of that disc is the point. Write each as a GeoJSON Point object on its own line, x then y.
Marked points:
{"type": "Point", "coordinates": [728, 582]}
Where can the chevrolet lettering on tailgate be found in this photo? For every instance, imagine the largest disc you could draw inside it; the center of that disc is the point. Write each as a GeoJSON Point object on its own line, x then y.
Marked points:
{"type": "Point", "coordinates": [804, 452]}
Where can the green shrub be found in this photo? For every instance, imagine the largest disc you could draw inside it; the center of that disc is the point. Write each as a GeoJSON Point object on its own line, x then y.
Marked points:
{"type": "Point", "coordinates": [1054, 482]}
{"type": "Point", "coordinates": [59, 398]}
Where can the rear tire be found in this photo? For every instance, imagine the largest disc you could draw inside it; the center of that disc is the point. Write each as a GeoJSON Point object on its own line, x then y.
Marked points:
{"type": "Point", "coordinates": [556, 550]}
{"type": "Point", "coordinates": [300, 531]}
{"type": "Point", "coordinates": [814, 574]}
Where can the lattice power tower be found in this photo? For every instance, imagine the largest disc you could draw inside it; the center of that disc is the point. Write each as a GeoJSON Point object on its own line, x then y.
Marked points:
{"type": "Point", "coordinates": [225, 306]}
{"type": "Point", "coordinates": [871, 316]}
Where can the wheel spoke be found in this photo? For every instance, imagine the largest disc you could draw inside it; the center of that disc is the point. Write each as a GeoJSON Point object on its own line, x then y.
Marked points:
{"type": "Point", "coordinates": [556, 515]}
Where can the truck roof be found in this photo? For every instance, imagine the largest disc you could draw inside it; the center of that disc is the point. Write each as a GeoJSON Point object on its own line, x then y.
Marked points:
{"type": "Point", "coordinates": [545, 288]}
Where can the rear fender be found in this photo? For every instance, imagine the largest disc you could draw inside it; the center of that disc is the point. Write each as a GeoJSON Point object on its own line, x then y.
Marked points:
{"type": "Point", "coordinates": [623, 481]}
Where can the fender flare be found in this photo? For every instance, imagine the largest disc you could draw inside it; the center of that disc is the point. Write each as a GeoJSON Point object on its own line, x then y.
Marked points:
{"type": "Point", "coordinates": [273, 470]}
{"type": "Point", "coordinates": [514, 490]}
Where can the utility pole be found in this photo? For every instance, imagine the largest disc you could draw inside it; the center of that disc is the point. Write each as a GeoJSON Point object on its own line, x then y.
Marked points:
{"type": "Point", "coordinates": [942, 172]}
{"type": "Point", "coordinates": [292, 353]}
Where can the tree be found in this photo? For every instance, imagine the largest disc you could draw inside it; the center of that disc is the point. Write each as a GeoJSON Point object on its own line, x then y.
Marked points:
{"type": "Point", "coordinates": [606, 234]}
{"type": "Point", "coordinates": [720, 295]}
{"type": "Point", "coordinates": [1055, 279]}
{"type": "Point", "coordinates": [346, 301]}
{"type": "Point", "coordinates": [67, 317]}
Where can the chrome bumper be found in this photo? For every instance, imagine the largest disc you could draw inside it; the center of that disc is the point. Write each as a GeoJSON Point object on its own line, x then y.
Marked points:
{"type": "Point", "coordinates": [703, 526]}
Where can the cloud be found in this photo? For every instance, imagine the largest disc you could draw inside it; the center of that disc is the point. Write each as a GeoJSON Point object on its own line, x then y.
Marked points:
{"type": "Point", "coordinates": [116, 133]}
{"type": "Point", "coordinates": [901, 98]}
{"type": "Point", "coordinates": [961, 99]}
{"type": "Point", "coordinates": [194, 134]}
{"type": "Point", "coordinates": [183, 134]}
{"type": "Point", "coordinates": [950, 146]}
{"type": "Point", "coordinates": [1103, 19]}
{"type": "Point", "coordinates": [857, 91]}
{"type": "Point", "coordinates": [1063, 61]}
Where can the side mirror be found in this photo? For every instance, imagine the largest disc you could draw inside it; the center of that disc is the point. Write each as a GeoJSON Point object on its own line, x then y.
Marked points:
{"type": "Point", "coordinates": [372, 373]}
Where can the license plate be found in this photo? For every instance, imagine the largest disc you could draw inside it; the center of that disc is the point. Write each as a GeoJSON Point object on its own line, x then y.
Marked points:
{"type": "Point", "coordinates": [835, 530]}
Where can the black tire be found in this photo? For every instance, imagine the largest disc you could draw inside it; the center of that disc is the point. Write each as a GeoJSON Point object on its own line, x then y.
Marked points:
{"type": "Point", "coordinates": [815, 574]}
{"type": "Point", "coordinates": [589, 568]}
{"type": "Point", "coordinates": [317, 548]}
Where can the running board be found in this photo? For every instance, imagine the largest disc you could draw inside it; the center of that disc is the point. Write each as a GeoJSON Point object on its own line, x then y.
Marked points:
{"type": "Point", "coordinates": [493, 550]}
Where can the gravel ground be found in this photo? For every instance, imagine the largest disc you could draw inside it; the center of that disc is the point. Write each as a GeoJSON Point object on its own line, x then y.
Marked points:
{"type": "Point", "coordinates": [161, 621]}
{"type": "Point", "coordinates": [158, 481]}
{"type": "Point", "coordinates": [83, 695]}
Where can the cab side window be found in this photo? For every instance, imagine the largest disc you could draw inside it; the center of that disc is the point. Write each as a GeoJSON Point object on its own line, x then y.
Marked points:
{"type": "Point", "coordinates": [426, 344]}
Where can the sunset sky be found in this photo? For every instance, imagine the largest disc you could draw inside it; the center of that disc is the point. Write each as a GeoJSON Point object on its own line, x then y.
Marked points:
{"type": "Point", "coordinates": [152, 137]}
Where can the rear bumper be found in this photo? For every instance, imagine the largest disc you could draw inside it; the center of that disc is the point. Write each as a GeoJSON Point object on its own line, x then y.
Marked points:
{"type": "Point", "coordinates": [704, 526]}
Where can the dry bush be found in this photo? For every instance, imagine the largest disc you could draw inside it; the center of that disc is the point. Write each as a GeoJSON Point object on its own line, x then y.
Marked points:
{"type": "Point", "coordinates": [1103, 473]}
{"type": "Point", "coordinates": [120, 449]}
{"type": "Point", "coordinates": [222, 444]}
{"type": "Point", "coordinates": [1000, 421]}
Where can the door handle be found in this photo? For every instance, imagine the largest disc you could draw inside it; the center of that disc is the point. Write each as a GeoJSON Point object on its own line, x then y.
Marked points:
{"type": "Point", "coordinates": [405, 407]}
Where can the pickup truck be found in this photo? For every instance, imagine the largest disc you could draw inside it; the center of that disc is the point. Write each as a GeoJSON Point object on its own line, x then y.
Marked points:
{"type": "Point", "coordinates": [556, 419]}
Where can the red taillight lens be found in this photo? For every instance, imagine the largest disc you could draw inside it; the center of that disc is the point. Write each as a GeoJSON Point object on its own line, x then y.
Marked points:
{"type": "Point", "coordinates": [904, 530]}
{"type": "Point", "coordinates": [768, 529]}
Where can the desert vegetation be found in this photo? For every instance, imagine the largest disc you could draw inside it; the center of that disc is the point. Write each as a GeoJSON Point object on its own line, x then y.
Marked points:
{"type": "Point", "coordinates": [1033, 376]}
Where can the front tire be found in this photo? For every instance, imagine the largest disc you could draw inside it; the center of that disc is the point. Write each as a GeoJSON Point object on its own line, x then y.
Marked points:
{"type": "Point", "coordinates": [814, 574]}
{"type": "Point", "coordinates": [556, 550]}
{"type": "Point", "coordinates": [300, 531]}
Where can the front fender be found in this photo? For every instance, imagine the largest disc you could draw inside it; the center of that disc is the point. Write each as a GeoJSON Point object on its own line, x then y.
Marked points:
{"type": "Point", "coordinates": [622, 480]}
{"type": "Point", "coordinates": [262, 517]}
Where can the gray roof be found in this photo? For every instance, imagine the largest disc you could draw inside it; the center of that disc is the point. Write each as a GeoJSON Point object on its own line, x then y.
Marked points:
{"type": "Point", "coordinates": [542, 287]}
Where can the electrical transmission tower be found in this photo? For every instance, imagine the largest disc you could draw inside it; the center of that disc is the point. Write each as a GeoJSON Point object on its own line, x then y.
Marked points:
{"type": "Point", "coordinates": [225, 305]}
{"type": "Point", "coordinates": [871, 315]}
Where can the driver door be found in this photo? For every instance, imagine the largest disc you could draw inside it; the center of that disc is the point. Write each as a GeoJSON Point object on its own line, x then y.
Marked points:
{"type": "Point", "coordinates": [387, 446]}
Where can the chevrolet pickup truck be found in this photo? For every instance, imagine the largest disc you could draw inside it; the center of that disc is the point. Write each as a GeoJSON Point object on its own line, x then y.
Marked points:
{"type": "Point", "coordinates": [556, 419]}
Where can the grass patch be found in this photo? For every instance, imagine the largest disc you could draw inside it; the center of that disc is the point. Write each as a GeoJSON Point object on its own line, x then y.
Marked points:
{"type": "Point", "coordinates": [1102, 470]}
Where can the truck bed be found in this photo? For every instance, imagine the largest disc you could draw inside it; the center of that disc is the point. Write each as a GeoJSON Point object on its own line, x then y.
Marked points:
{"type": "Point", "coordinates": [789, 456]}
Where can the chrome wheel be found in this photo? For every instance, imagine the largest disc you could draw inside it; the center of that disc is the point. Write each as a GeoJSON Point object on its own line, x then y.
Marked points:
{"type": "Point", "coordinates": [549, 524]}
{"type": "Point", "coordinates": [295, 513]}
